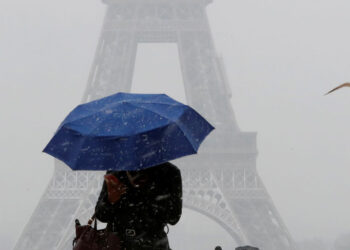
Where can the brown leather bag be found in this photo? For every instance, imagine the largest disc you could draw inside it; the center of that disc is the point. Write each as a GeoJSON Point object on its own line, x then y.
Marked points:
{"type": "Point", "coordinates": [89, 238]}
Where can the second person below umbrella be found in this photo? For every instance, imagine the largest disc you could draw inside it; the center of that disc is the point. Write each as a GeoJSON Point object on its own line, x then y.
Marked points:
{"type": "Point", "coordinates": [138, 205]}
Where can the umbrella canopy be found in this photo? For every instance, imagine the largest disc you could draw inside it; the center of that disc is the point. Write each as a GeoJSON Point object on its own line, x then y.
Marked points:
{"type": "Point", "coordinates": [128, 132]}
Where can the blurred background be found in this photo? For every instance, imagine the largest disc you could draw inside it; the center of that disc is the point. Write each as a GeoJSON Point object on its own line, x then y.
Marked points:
{"type": "Point", "coordinates": [280, 56]}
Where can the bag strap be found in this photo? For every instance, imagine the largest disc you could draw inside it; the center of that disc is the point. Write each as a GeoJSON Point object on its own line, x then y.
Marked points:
{"type": "Point", "coordinates": [93, 219]}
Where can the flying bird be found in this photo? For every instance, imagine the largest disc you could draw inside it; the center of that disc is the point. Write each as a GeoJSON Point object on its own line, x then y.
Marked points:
{"type": "Point", "coordinates": [347, 84]}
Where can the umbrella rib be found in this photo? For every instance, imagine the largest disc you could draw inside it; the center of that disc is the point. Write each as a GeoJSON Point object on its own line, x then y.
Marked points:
{"type": "Point", "coordinates": [91, 114]}
{"type": "Point", "coordinates": [186, 137]}
{"type": "Point", "coordinates": [175, 122]}
{"type": "Point", "coordinates": [152, 111]}
{"type": "Point", "coordinates": [162, 115]}
{"type": "Point", "coordinates": [128, 135]}
{"type": "Point", "coordinates": [139, 132]}
{"type": "Point", "coordinates": [185, 134]}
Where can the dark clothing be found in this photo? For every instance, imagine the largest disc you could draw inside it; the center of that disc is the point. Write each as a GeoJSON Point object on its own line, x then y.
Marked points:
{"type": "Point", "coordinates": [141, 214]}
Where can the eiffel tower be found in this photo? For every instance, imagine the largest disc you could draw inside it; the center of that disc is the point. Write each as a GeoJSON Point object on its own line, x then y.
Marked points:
{"type": "Point", "coordinates": [220, 182]}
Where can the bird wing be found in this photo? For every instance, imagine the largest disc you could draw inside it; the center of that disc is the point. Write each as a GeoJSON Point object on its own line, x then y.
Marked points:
{"type": "Point", "coordinates": [347, 84]}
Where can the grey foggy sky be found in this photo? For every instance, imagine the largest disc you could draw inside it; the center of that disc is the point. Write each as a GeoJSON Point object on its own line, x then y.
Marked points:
{"type": "Point", "coordinates": [281, 57]}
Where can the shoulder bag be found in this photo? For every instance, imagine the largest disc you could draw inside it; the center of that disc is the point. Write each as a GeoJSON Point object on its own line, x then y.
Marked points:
{"type": "Point", "coordinates": [89, 238]}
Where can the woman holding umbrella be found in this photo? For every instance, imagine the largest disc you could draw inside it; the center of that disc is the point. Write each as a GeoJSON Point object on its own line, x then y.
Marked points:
{"type": "Point", "coordinates": [138, 205]}
{"type": "Point", "coordinates": [133, 136]}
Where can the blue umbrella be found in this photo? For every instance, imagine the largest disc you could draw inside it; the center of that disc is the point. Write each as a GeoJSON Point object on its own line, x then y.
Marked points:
{"type": "Point", "coordinates": [128, 132]}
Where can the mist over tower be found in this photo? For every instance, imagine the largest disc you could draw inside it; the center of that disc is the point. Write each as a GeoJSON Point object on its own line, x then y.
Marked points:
{"type": "Point", "coordinates": [221, 182]}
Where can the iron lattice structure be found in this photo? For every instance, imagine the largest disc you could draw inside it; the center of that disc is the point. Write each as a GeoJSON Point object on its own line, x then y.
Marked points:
{"type": "Point", "coordinates": [221, 182]}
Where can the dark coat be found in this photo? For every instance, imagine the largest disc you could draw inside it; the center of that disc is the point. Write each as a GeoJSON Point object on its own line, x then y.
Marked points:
{"type": "Point", "coordinates": [146, 210]}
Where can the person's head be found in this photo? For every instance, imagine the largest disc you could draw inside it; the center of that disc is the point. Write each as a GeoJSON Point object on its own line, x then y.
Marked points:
{"type": "Point", "coordinates": [140, 178]}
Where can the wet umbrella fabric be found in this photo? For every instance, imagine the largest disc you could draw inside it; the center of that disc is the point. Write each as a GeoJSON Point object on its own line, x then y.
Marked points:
{"type": "Point", "coordinates": [128, 132]}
